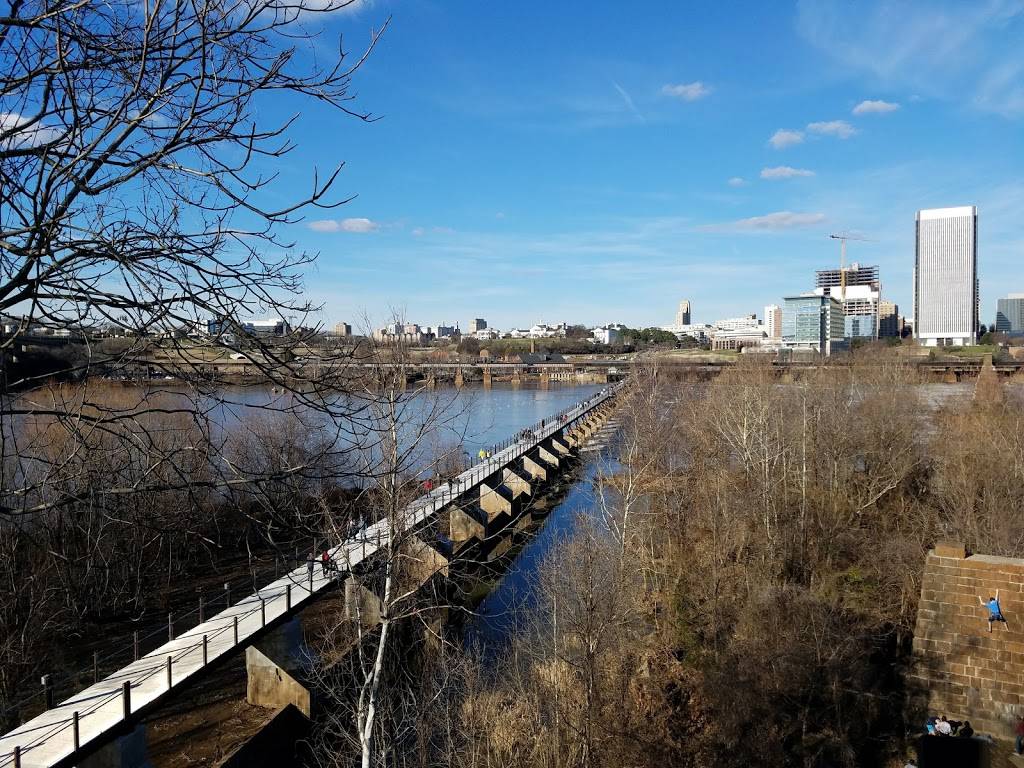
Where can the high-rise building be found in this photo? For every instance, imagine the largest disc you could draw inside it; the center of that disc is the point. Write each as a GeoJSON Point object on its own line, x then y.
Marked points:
{"type": "Point", "coordinates": [859, 290]}
{"type": "Point", "coordinates": [773, 321]}
{"type": "Point", "coordinates": [1010, 314]}
{"type": "Point", "coordinates": [888, 320]}
{"type": "Point", "coordinates": [342, 329]}
{"type": "Point", "coordinates": [831, 280]}
{"type": "Point", "coordinates": [813, 322]}
{"type": "Point", "coordinates": [477, 324]}
{"type": "Point", "coordinates": [946, 277]}
{"type": "Point", "coordinates": [683, 313]}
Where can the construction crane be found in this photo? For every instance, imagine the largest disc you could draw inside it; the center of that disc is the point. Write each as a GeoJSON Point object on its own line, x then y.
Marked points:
{"type": "Point", "coordinates": [842, 237]}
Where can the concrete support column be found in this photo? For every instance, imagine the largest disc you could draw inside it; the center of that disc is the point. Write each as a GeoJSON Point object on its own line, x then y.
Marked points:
{"type": "Point", "coordinates": [463, 528]}
{"type": "Point", "coordinates": [487, 377]}
{"type": "Point", "coordinates": [547, 456]}
{"type": "Point", "coordinates": [361, 604]}
{"type": "Point", "coordinates": [128, 751]}
{"type": "Point", "coordinates": [534, 469]}
{"type": "Point", "coordinates": [269, 684]}
{"type": "Point", "coordinates": [493, 502]}
{"type": "Point", "coordinates": [459, 380]}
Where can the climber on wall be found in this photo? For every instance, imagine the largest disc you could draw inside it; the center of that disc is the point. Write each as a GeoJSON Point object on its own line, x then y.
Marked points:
{"type": "Point", "coordinates": [995, 611]}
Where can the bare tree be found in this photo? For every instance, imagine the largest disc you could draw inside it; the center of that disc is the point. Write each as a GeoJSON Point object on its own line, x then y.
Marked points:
{"type": "Point", "coordinates": [361, 671]}
{"type": "Point", "coordinates": [141, 146]}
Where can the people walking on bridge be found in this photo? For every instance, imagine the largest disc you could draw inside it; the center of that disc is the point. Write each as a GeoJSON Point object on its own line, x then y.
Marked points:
{"type": "Point", "coordinates": [311, 564]}
{"type": "Point", "coordinates": [995, 611]}
{"type": "Point", "coordinates": [482, 454]}
{"type": "Point", "coordinates": [327, 562]}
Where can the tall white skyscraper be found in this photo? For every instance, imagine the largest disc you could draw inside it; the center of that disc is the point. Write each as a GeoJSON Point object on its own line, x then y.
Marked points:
{"type": "Point", "coordinates": [683, 313]}
{"type": "Point", "coordinates": [946, 277]}
{"type": "Point", "coordinates": [773, 321]}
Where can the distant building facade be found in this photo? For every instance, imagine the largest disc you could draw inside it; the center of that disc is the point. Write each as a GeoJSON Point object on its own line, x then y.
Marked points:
{"type": "Point", "coordinates": [683, 313]}
{"type": "Point", "coordinates": [732, 323]}
{"type": "Point", "coordinates": [738, 338]}
{"type": "Point", "coordinates": [477, 324]}
{"type": "Point", "coordinates": [813, 323]}
{"type": "Point", "coordinates": [946, 277]}
{"type": "Point", "coordinates": [1010, 314]}
{"type": "Point", "coordinates": [342, 329]}
{"type": "Point", "coordinates": [889, 325]}
{"type": "Point", "coordinates": [773, 321]}
{"type": "Point", "coordinates": [609, 335]}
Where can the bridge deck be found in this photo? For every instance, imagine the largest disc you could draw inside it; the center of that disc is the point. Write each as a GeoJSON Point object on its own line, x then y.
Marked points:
{"type": "Point", "coordinates": [49, 739]}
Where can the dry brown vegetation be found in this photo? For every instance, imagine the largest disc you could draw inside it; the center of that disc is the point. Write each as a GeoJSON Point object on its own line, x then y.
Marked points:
{"type": "Point", "coordinates": [745, 590]}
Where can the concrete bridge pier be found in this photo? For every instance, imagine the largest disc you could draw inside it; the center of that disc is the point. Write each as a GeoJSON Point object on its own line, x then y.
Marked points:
{"type": "Point", "coordinates": [547, 455]}
{"type": "Point", "coordinates": [535, 469]}
{"type": "Point", "coordinates": [270, 685]}
{"type": "Point", "coordinates": [487, 377]}
{"type": "Point", "coordinates": [130, 750]}
{"type": "Point", "coordinates": [459, 380]}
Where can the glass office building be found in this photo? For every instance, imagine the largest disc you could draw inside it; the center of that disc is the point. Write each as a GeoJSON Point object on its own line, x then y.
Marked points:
{"type": "Point", "coordinates": [813, 323]}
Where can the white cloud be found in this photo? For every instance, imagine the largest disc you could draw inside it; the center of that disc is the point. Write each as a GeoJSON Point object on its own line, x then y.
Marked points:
{"type": "Point", "coordinates": [875, 107]}
{"type": "Point", "coordinates": [737, 181]}
{"type": "Point", "coordinates": [785, 137]}
{"type": "Point", "coordinates": [838, 128]}
{"type": "Point", "coordinates": [25, 135]}
{"type": "Point", "coordinates": [686, 91]}
{"type": "Point", "coordinates": [784, 172]}
{"type": "Point", "coordinates": [359, 225]}
{"type": "Point", "coordinates": [771, 222]}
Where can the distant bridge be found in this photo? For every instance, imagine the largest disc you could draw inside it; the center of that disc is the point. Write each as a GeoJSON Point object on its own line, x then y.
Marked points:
{"type": "Point", "coordinates": [476, 501]}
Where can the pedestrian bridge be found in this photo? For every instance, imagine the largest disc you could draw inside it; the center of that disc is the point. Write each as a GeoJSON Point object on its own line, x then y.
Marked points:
{"type": "Point", "coordinates": [70, 731]}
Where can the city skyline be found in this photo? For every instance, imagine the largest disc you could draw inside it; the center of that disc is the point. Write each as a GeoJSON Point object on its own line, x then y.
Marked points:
{"type": "Point", "coordinates": [709, 156]}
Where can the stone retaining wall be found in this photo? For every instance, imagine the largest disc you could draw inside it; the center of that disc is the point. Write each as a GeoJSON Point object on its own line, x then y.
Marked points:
{"type": "Point", "coordinates": [961, 670]}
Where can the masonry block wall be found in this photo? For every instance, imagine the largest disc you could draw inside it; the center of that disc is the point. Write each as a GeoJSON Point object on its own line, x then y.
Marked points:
{"type": "Point", "coordinates": [961, 670]}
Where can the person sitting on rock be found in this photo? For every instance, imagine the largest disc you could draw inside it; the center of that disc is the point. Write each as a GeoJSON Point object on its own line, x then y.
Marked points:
{"type": "Point", "coordinates": [995, 611]}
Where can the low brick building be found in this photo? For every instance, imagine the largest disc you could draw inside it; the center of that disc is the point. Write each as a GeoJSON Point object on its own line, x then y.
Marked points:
{"type": "Point", "coordinates": [960, 669]}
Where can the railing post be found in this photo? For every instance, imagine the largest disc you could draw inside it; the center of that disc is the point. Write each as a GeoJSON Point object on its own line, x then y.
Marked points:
{"type": "Point", "coordinates": [288, 597]}
{"type": "Point", "coordinates": [311, 580]}
{"type": "Point", "coordinates": [17, 757]}
{"type": "Point", "coordinates": [47, 691]}
{"type": "Point", "coordinates": [135, 643]}
{"type": "Point", "coordinates": [206, 658]}
{"type": "Point", "coordinates": [170, 660]}
{"type": "Point", "coordinates": [75, 732]}
{"type": "Point", "coordinates": [126, 698]}
{"type": "Point", "coordinates": [263, 612]}
{"type": "Point", "coordinates": [95, 667]}
{"type": "Point", "coordinates": [170, 627]}
{"type": "Point", "coordinates": [235, 625]}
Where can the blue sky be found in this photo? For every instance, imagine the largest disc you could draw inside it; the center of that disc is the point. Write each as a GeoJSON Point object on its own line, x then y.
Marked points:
{"type": "Point", "coordinates": [555, 161]}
